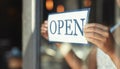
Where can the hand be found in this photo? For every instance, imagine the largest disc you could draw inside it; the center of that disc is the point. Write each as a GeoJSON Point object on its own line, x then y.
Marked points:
{"type": "Point", "coordinates": [44, 29]}
{"type": "Point", "coordinates": [100, 36]}
{"type": "Point", "coordinates": [44, 32]}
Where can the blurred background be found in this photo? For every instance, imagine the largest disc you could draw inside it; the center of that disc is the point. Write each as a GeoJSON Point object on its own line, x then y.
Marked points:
{"type": "Point", "coordinates": [10, 31]}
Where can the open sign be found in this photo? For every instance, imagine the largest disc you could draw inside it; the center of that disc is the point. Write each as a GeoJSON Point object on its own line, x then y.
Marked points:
{"type": "Point", "coordinates": [68, 26]}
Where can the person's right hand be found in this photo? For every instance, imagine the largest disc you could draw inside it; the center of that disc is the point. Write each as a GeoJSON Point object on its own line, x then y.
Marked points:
{"type": "Point", "coordinates": [44, 29]}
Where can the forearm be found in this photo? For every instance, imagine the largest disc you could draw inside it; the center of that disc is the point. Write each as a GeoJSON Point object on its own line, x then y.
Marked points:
{"type": "Point", "coordinates": [73, 61]}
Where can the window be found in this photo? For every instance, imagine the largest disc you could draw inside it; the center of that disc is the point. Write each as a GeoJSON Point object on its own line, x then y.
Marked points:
{"type": "Point", "coordinates": [39, 52]}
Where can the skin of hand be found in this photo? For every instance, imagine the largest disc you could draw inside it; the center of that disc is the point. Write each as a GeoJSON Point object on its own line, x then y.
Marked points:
{"type": "Point", "coordinates": [44, 32]}
{"type": "Point", "coordinates": [100, 36]}
{"type": "Point", "coordinates": [44, 29]}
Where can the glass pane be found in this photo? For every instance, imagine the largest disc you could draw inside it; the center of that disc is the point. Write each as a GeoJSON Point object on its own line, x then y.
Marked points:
{"type": "Point", "coordinates": [69, 55]}
{"type": "Point", "coordinates": [51, 57]}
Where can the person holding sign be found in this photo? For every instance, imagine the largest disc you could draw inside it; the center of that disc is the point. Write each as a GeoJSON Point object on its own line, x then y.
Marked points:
{"type": "Point", "coordinates": [97, 34]}
{"type": "Point", "coordinates": [103, 55]}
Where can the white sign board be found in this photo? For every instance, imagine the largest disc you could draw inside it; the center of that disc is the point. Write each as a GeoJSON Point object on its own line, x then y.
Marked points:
{"type": "Point", "coordinates": [68, 26]}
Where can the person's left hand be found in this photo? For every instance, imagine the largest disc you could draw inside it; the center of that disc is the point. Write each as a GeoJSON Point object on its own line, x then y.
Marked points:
{"type": "Point", "coordinates": [100, 36]}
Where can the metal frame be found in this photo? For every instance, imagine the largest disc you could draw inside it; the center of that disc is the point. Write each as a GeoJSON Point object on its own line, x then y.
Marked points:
{"type": "Point", "coordinates": [31, 18]}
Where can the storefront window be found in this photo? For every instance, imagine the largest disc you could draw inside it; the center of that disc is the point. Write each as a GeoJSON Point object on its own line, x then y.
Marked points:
{"type": "Point", "coordinates": [100, 12]}
{"type": "Point", "coordinates": [51, 57]}
{"type": "Point", "coordinates": [56, 55]}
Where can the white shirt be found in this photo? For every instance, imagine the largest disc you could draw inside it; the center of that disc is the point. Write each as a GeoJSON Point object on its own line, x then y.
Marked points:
{"type": "Point", "coordinates": [104, 61]}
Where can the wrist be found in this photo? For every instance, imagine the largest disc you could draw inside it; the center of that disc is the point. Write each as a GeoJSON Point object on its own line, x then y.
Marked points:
{"type": "Point", "coordinates": [58, 45]}
{"type": "Point", "coordinates": [64, 48]}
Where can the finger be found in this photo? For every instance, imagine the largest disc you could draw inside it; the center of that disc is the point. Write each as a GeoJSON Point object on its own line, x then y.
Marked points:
{"type": "Point", "coordinates": [97, 25]}
{"type": "Point", "coordinates": [96, 30]}
{"type": "Point", "coordinates": [95, 42]}
{"type": "Point", "coordinates": [100, 44]}
{"type": "Point", "coordinates": [45, 25]}
{"type": "Point", "coordinates": [45, 21]}
{"type": "Point", "coordinates": [95, 36]}
{"type": "Point", "coordinates": [43, 30]}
